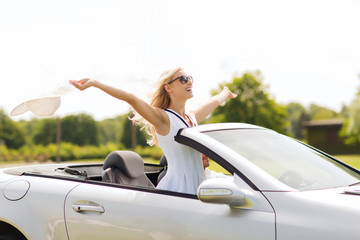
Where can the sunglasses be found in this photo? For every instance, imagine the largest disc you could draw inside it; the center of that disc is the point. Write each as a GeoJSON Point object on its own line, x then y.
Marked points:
{"type": "Point", "coordinates": [183, 79]}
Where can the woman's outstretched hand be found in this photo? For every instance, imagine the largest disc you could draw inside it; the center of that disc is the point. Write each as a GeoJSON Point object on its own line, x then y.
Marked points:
{"type": "Point", "coordinates": [224, 95]}
{"type": "Point", "coordinates": [83, 84]}
{"type": "Point", "coordinates": [228, 93]}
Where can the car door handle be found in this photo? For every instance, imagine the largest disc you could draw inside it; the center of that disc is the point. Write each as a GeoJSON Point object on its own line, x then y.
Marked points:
{"type": "Point", "coordinates": [88, 208]}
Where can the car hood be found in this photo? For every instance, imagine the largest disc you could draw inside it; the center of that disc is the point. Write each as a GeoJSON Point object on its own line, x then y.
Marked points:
{"type": "Point", "coordinates": [346, 197]}
{"type": "Point", "coordinates": [317, 214]}
{"type": "Point", "coordinates": [336, 199]}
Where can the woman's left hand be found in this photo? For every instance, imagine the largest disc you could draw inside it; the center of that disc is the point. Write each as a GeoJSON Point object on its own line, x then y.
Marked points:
{"type": "Point", "coordinates": [225, 95]}
{"type": "Point", "coordinates": [226, 91]}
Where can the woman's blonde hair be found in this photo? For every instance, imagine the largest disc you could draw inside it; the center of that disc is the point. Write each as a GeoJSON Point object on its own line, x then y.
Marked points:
{"type": "Point", "coordinates": [160, 99]}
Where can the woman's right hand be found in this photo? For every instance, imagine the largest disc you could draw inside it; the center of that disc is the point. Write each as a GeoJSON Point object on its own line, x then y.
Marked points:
{"type": "Point", "coordinates": [83, 84]}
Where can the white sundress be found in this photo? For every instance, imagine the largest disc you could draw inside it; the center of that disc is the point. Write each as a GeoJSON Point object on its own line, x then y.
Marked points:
{"type": "Point", "coordinates": [185, 168]}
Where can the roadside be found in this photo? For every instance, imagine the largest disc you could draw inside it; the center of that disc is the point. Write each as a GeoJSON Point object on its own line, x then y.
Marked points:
{"type": "Point", "coordinates": [6, 164]}
{"type": "Point", "coordinates": [352, 160]}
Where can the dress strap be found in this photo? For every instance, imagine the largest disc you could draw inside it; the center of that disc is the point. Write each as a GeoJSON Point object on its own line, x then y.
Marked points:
{"type": "Point", "coordinates": [192, 120]}
{"type": "Point", "coordinates": [178, 116]}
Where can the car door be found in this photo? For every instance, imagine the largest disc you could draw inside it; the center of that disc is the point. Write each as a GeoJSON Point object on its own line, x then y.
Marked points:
{"type": "Point", "coordinates": [101, 211]}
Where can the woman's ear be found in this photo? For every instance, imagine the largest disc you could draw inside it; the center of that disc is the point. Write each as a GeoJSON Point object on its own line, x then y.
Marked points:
{"type": "Point", "coordinates": [167, 88]}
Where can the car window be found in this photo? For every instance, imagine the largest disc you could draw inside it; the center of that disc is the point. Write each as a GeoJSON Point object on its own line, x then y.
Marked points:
{"type": "Point", "coordinates": [287, 160]}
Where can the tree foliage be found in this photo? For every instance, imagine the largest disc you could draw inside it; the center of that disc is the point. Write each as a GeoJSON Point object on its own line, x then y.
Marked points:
{"type": "Point", "coordinates": [130, 131]}
{"type": "Point", "coordinates": [297, 115]}
{"type": "Point", "coordinates": [111, 130]}
{"type": "Point", "coordinates": [253, 105]}
{"type": "Point", "coordinates": [351, 130]}
{"type": "Point", "coordinates": [10, 133]}
{"type": "Point", "coordinates": [317, 112]}
{"type": "Point", "coordinates": [45, 131]}
{"type": "Point", "coordinates": [79, 129]}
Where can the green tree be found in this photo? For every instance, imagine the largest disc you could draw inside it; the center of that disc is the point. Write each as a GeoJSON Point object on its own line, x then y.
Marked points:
{"type": "Point", "coordinates": [317, 112]}
{"type": "Point", "coordinates": [28, 128]}
{"type": "Point", "coordinates": [128, 134]}
{"type": "Point", "coordinates": [10, 133]}
{"type": "Point", "coordinates": [111, 130]}
{"type": "Point", "coordinates": [45, 132]}
{"type": "Point", "coordinates": [297, 115]}
{"type": "Point", "coordinates": [253, 105]}
{"type": "Point", "coordinates": [352, 125]}
{"type": "Point", "coordinates": [344, 113]}
{"type": "Point", "coordinates": [79, 129]}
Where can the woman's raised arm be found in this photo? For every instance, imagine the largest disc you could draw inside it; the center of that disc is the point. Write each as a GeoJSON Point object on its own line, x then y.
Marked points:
{"type": "Point", "coordinates": [156, 116]}
{"type": "Point", "coordinates": [203, 111]}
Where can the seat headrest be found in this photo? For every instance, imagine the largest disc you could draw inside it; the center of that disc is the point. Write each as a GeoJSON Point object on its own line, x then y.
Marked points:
{"type": "Point", "coordinates": [163, 161]}
{"type": "Point", "coordinates": [130, 163]}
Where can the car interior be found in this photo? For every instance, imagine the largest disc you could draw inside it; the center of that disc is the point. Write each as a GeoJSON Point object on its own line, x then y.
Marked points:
{"type": "Point", "coordinates": [126, 168]}
{"type": "Point", "coordinates": [120, 167]}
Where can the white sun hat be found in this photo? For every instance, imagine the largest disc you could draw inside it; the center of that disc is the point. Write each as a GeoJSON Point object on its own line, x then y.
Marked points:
{"type": "Point", "coordinates": [46, 104]}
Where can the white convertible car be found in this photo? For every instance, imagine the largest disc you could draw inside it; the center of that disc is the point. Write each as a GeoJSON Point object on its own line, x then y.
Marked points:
{"type": "Point", "coordinates": [278, 188]}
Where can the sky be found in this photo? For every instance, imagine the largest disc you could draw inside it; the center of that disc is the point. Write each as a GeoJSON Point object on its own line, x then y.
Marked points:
{"type": "Point", "coordinates": [308, 51]}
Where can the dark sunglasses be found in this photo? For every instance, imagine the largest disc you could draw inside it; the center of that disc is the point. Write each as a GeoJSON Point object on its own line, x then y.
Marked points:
{"type": "Point", "coordinates": [183, 79]}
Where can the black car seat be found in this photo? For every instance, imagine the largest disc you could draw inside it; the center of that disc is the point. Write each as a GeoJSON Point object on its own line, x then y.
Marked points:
{"type": "Point", "coordinates": [125, 167]}
{"type": "Point", "coordinates": [163, 163]}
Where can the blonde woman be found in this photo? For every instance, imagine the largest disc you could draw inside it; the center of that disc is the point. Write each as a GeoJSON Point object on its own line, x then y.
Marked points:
{"type": "Point", "coordinates": [164, 116]}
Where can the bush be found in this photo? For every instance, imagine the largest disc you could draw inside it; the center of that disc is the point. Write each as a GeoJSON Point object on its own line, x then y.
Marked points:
{"type": "Point", "coordinates": [149, 152]}
{"type": "Point", "coordinates": [69, 151]}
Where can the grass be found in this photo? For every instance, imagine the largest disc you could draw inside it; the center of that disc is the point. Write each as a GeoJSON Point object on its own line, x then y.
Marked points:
{"type": "Point", "coordinates": [352, 160]}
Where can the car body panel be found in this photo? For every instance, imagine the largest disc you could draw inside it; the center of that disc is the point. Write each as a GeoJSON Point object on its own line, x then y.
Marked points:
{"type": "Point", "coordinates": [135, 214]}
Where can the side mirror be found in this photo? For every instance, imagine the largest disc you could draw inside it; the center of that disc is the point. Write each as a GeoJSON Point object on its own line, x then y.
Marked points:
{"type": "Point", "coordinates": [221, 191]}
